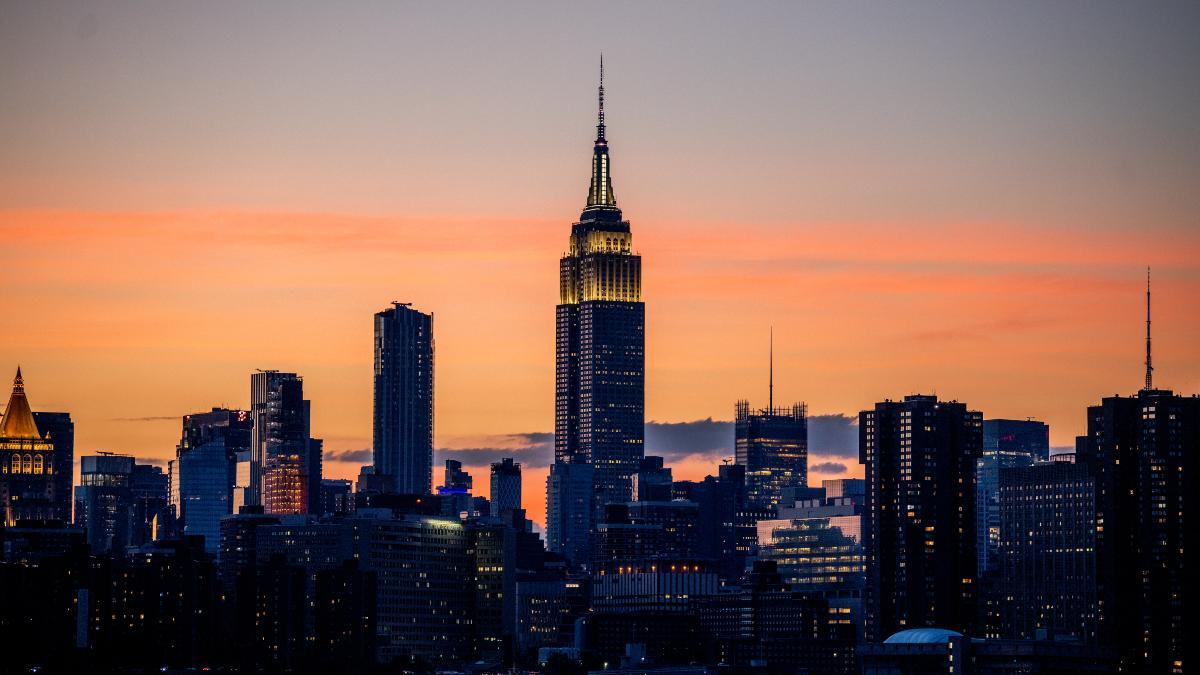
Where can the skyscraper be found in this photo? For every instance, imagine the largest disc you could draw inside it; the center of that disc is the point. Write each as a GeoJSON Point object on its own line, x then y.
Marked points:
{"type": "Point", "coordinates": [506, 486]}
{"type": "Point", "coordinates": [58, 430]}
{"type": "Point", "coordinates": [919, 520]}
{"type": "Point", "coordinates": [285, 462]}
{"type": "Point", "coordinates": [204, 471]}
{"type": "Point", "coordinates": [403, 432]}
{"type": "Point", "coordinates": [600, 342]}
{"type": "Point", "coordinates": [104, 504]}
{"type": "Point", "coordinates": [569, 514]}
{"type": "Point", "coordinates": [1143, 452]}
{"type": "Point", "coordinates": [27, 478]}
{"type": "Point", "coordinates": [772, 444]}
{"type": "Point", "coordinates": [1006, 443]}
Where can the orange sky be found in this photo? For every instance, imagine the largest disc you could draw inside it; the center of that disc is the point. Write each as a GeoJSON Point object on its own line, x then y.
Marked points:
{"type": "Point", "coordinates": [919, 197]}
{"type": "Point", "coordinates": [130, 320]}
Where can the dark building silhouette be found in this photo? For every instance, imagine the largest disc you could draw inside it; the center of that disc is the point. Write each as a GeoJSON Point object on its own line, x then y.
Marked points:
{"type": "Point", "coordinates": [1006, 443]}
{"type": "Point", "coordinates": [285, 461]}
{"type": "Point", "coordinates": [58, 429]}
{"type": "Point", "coordinates": [1047, 552]}
{"type": "Point", "coordinates": [569, 515]}
{"type": "Point", "coordinates": [1143, 451]}
{"type": "Point", "coordinates": [652, 482]}
{"type": "Point", "coordinates": [27, 478]}
{"type": "Point", "coordinates": [403, 431]}
{"type": "Point", "coordinates": [152, 513]}
{"type": "Point", "coordinates": [506, 486]}
{"type": "Point", "coordinates": [919, 522]}
{"type": "Point", "coordinates": [104, 504]}
{"type": "Point", "coordinates": [455, 490]}
{"type": "Point", "coordinates": [772, 444]}
{"type": "Point", "coordinates": [600, 344]}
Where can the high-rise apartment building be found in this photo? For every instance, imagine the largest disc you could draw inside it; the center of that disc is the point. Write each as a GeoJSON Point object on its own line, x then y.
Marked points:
{"type": "Point", "coordinates": [919, 515]}
{"type": "Point", "coordinates": [569, 515]}
{"type": "Point", "coordinates": [600, 344]}
{"type": "Point", "coordinates": [506, 486]}
{"type": "Point", "coordinates": [285, 461]}
{"type": "Point", "coordinates": [1046, 557]}
{"type": "Point", "coordinates": [403, 430]}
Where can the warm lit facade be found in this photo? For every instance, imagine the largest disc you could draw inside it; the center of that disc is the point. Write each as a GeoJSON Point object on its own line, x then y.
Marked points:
{"type": "Point", "coordinates": [773, 446]}
{"type": "Point", "coordinates": [27, 489]}
{"type": "Point", "coordinates": [285, 463]}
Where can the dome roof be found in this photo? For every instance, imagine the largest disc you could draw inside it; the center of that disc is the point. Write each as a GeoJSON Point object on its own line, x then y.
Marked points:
{"type": "Point", "coordinates": [922, 636]}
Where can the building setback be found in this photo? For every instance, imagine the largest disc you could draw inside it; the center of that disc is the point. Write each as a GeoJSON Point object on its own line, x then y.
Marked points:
{"type": "Point", "coordinates": [403, 429]}
{"type": "Point", "coordinates": [919, 517]}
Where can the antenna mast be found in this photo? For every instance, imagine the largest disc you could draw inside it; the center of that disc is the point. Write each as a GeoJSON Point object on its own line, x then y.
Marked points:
{"type": "Point", "coordinates": [1149, 366]}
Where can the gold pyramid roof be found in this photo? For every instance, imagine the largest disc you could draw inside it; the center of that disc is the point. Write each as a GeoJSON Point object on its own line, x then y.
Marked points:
{"type": "Point", "coordinates": [18, 418]}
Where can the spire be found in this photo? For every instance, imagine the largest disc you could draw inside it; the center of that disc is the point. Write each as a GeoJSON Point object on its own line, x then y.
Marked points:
{"type": "Point", "coordinates": [1149, 364]}
{"type": "Point", "coordinates": [18, 418]}
{"type": "Point", "coordinates": [771, 373]}
{"type": "Point", "coordinates": [600, 125]}
{"type": "Point", "coordinates": [600, 192]}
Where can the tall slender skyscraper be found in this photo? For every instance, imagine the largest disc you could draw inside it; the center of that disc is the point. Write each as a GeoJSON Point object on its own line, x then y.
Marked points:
{"type": "Point", "coordinates": [285, 462]}
{"type": "Point", "coordinates": [599, 412]}
{"type": "Point", "coordinates": [403, 435]}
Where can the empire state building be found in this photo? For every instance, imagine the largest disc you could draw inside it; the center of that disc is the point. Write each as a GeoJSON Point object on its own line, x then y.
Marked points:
{"type": "Point", "coordinates": [600, 351]}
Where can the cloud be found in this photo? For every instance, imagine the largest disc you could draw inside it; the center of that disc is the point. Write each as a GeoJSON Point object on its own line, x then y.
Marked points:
{"type": "Point", "coordinates": [153, 418]}
{"type": "Point", "coordinates": [674, 441]}
{"type": "Point", "coordinates": [828, 467]}
{"type": "Point", "coordinates": [533, 449]}
{"type": "Point", "coordinates": [835, 435]}
{"type": "Point", "coordinates": [360, 456]}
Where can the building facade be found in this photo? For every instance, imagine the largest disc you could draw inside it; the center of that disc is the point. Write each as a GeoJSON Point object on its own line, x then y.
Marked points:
{"type": "Point", "coordinates": [104, 505]}
{"type": "Point", "coordinates": [1006, 444]}
{"type": "Point", "coordinates": [58, 430]}
{"type": "Point", "coordinates": [600, 343]}
{"type": "Point", "coordinates": [506, 486]}
{"type": "Point", "coordinates": [569, 515]}
{"type": "Point", "coordinates": [403, 429]}
{"type": "Point", "coordinates": [204, 471]}
{"type": "Point", "coordinates": [285, 461]}
{"type": "Point", "coordinates": [919, 515]}
{"type": "Point", "coordinates": [772, 444]}
{"type": "Point", "coordinates": [27, 463]}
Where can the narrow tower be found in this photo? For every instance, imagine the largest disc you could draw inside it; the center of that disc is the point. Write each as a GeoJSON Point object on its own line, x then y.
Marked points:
{"type": "Point", "coordinates": [600, 346]}
{"type": "Point", "coordinates": [1149, 366]}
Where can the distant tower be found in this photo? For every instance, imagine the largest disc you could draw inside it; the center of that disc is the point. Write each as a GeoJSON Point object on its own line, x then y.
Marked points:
{"type": "Point", "coordinates": [403, 431]}
{"type": "Point", "coordinates": [27, 462]}
{"type": "Point", "coordinates": [600, 347]}
{"type": "Point", "coordinates": [1149, 366]}
{"type": "Point", "coordinates": [285, 462]}
{"type": "Point", "coordinates": [772, 443]}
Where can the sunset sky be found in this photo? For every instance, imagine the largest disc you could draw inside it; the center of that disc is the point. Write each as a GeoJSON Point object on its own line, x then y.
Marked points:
{"type": "Point", "coordinates": [918, 197]}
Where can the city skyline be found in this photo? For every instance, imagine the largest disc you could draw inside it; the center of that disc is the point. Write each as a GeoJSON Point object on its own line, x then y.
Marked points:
{"type": "Point", "coordinates": [1019, 294]}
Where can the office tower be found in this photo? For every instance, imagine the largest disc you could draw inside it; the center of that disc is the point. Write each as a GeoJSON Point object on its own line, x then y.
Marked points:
{"type": "Point", "coordinates": [652, 482]}
{"type": "Point", "coordinates": [1006, 443]}
{"type": "Point", "coordinates": [150, 488]}
{"type": "Point", "coordinates": [569, 510]}
{"type": "Point", "coordinates": [919, 515]}
{"type": "Point", "coordinates": [27, 481]}
{"type": "Point", "coordinates": [403, 436]}
{"type": "Point", "coordinates": [500, 550]}
{"type": "Point", "coordinates": [58, 429]}
{"type": "Point", "coordinates": [285, 461]}
{"type": "Point", "coordinates": [772, 444]}
{"type": "Point", "coordinates": [599, 414]}
{"type": "Point", "coordinates": [643, 530]}
{"type": "Point", "coordinates": [817, 547]}
{"type": "Point", "coordinates": [104, 504]}
{"type": "Point", "coordinates": [546, 610]}
{"type": "Point", "coordinates": [455, 490]}
{"type": "Point", "coordinates": [506, 486]}
{"type": "Point", "coordinates": [336, 497]}
{"type": "Point", "coordinates": [1047, 552]}
{"type": "Point", "coordinates": [203, 472]}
